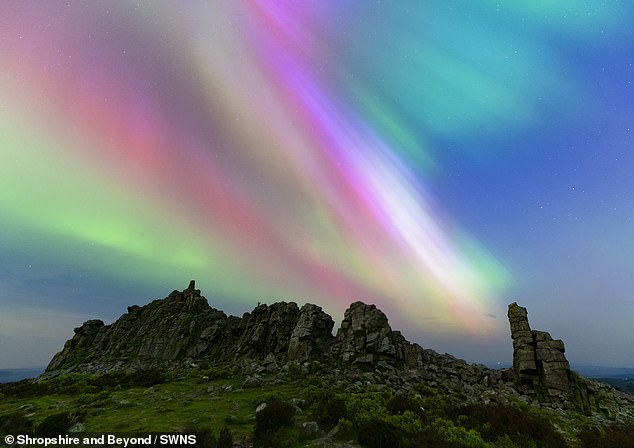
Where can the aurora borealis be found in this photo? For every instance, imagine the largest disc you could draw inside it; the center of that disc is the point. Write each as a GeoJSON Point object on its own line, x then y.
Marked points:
{"type": "Point", "coordinates": [439, 159]}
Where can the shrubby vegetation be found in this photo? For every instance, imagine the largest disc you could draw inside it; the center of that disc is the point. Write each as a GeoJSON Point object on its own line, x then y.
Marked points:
{"type": "Point", "coordinates": [15, 422]}
{"type": "Point", "coordinates": [496, 422]}
{"type": "Point", "coordinates": [329, 409]}
{"type": "Point", "coordinates": [54, 424]}
{"type": "Point", "coordinates": [22, 389]}
{"type": "Point", "coordinates": [222, 372]}
{"type": "Point", "coordinates": [209, 400]}
{"type": "Point", "coordinates": [614, 436]}
{"type": "Point", "coordinates": [58, 423]}
{"type": "Point", "coordinates": [274, 425]}
{"type": "Point", "coordinates": [382, 420]}
{"type": "Point", "coordinates": [79, 383]}
{"type": "Point", "coordinates": [225, 438]}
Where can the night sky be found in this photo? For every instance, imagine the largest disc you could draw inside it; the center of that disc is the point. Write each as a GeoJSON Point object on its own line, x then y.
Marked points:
{"type": "Point", "coordinates": [440, 159]}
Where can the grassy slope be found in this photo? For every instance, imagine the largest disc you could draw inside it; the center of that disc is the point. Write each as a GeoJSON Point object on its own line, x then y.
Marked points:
{"type": "Point", "coordinates": [172, 406]}
{"type": "Point", "coordinates": [189, 402]}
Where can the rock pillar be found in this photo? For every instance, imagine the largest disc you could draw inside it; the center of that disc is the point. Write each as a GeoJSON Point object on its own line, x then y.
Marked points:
{"type": "Point", "coordinates": [538, 359]}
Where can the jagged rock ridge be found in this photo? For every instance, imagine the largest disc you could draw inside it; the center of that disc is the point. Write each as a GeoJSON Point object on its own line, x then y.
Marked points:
{"type": "Point", "coordinates": [183, 327]}
{"type": "Point", "coordinates": [182, 330]}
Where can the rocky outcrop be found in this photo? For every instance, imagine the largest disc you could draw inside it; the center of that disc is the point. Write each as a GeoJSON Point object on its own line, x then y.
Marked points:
{"type": "Point", "coordinates": [183, 328]}
{"type": "Point", "coordinates": [279, 341]}
{"type": "Point", "coordinates": [267, 329]}
{"type": "Point", "coordinates": [312, 336]}
{"type": "Point", "coordinates": [540, 369]}
{"type": "Point", "coordinates": [365, 338]}
{"type": "Point", "coordinates": [79, 347]}
{"type": "Point", "coordinates": [538, 359]}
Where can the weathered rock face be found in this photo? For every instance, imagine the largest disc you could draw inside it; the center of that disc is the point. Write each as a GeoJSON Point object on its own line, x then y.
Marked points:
{"type": "Point", "coordinates": [541, 368]}
{"type": "Point", "coordinates": [312, 336]}
{"type": "Point", "coordinates": [524, 363]}
{"type": "Point", "coordinates": [180, 326]}
{"type": "Point", "coordinates": [538, 359]}
{"type": "Point", "coordinates": [364, 334]}
{"type": "Point", "coordinates": [365, 338]}
{"type": "Point", "coordinates": [183, 329]}
{"type": "Point", "coordinates": [79, 347]}
{"type": "Point", "coordinates": [267, 330]}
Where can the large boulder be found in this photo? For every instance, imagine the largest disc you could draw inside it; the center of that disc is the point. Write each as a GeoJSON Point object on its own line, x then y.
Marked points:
{"type": "Point", "coordinates": [267, 330]}
{"type": "Point", "coordinates": [365, 338]}
{"type": "Point", "coordinates": [312, 335]}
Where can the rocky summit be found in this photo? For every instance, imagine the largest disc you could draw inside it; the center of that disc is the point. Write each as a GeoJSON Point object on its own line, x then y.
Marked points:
{"type": "Point", "coordinates": [183, 330]}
